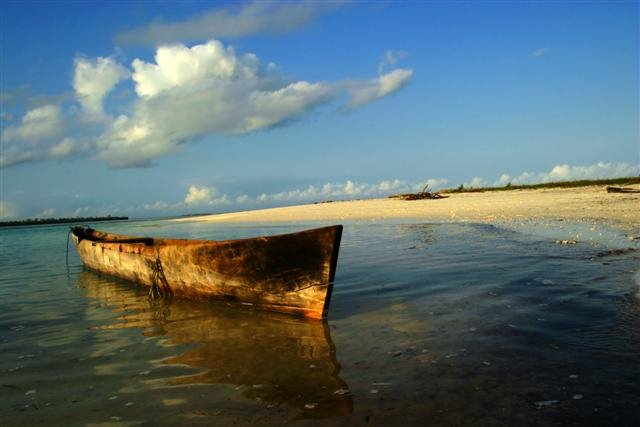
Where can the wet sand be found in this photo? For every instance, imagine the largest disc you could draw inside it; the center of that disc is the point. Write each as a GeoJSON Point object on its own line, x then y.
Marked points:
{"type": "Point", "coordinates": [583, 204]}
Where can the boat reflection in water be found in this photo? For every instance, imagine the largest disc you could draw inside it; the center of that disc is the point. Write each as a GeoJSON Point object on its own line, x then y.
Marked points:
{"type": "Point", "coordinates": [272, 358]}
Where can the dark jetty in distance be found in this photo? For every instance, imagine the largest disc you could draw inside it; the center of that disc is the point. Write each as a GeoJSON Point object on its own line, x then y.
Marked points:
{"type": "Point", "coordinates": [42, 221]}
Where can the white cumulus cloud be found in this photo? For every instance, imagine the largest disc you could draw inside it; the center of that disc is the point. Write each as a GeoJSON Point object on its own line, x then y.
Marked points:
{"type": "Point", "coordinates": [184, 94]}
{"type": "Point", "coordinates": [198, 195]}
{"type": "Point", "coordinates": [40, 123]}
{"type": "Point", "coordinates": [348, 190]}
{"type": "Point", "coordinates": [188, 93]}
{"type": "Point", "coordinates": [31, 138]}
{"type": "Point", "coordinates": [564, 172]}
{"type": "Point", "coordinates": [363, 92]}
{"type": "Point", "coordinates": [178, 65]}
{"type": "Point", "coordinates": [67, 147]}
{"type": "Point", "coordinates": [504, 179]}
{"type": "Point", "coordinates": [94, 79]}
{"type": "Point", "coordinates": [476, 182]}
{"type": "Point", "coordinates": [51, 131]}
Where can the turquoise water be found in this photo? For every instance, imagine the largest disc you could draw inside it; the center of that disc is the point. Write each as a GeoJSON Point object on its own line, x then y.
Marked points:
{"type": "Point", "coordinates": [430, 324]}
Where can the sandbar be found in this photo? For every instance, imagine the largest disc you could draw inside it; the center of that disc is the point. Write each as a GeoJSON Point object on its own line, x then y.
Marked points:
{"type": "Point", "coordinates": [591, 204]}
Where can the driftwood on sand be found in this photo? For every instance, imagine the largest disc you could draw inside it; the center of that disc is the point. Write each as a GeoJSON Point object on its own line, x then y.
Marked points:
{"type": "Point", "coordinates": [622, 190]}
{"type": "Point", "coordinates": [424, 194]}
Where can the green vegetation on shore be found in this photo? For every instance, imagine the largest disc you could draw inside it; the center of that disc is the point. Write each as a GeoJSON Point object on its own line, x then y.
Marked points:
{"type": "Point", "coordinates": [562, 184]}
{"type": "Point", "coordinates": [42, 221]}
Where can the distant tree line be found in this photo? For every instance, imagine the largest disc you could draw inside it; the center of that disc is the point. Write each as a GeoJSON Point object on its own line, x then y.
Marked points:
{"type": "Point", "coordinates": [42, 221]}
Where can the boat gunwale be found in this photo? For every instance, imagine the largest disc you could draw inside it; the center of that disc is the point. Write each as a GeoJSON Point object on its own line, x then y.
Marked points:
{"type": "Point", "coordinates": [114, 238]}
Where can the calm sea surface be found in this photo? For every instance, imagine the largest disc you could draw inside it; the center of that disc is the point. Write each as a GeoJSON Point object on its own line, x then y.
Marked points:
{"type": "Point", "coordinates": [430, 324]}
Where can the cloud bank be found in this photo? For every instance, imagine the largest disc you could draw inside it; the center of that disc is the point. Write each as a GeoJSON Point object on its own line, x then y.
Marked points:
{"type": "Point", "coordinates": [560, 173]}
{"type": "Point", "coordinates": [353, 190]}
{"type": "Point", "coordinates": [184, 94]}
{"type": "Point", "coordinates": [252, 18]}
{"type": "Point", "coordinates": [203, 198]}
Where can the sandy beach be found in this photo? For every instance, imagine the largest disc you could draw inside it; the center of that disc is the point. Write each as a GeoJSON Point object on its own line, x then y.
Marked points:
{"type": "Point", "coordinates": [583, 204]}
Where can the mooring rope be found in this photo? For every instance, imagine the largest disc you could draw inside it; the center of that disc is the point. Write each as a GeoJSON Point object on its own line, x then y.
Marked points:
{"type": "Point", "coordinates": [158, 276]}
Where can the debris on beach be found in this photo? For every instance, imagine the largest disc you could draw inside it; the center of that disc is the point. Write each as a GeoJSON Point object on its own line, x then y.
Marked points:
{"type": "Point", "coordinates": [622, 190]}
{"type": "Point", "coordinates": [426, 193]}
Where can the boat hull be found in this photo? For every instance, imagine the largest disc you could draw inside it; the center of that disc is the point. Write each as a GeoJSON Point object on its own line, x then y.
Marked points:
{"type": "Point", "coordinates": [289, 273]}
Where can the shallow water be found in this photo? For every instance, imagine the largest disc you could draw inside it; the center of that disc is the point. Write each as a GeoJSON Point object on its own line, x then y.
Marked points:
{"type": "Point", "coordinates": [430, 324]}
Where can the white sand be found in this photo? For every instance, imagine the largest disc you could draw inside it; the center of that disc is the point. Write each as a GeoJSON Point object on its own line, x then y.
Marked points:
{"type": "Point", "coordinates": [583, 204]}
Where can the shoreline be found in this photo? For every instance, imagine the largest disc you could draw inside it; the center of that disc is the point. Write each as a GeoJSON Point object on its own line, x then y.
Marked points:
{"type": "Point", "coordinates": [589, 208]}
{"type": "Point", "coordinates": [582, 203]}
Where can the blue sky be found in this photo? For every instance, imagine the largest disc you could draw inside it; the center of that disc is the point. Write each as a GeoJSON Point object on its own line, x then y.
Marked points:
{"type": "Point", "coordinates": [152, 109]}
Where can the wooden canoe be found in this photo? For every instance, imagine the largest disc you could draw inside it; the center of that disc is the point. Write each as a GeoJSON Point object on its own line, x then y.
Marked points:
{"type": "Point", "coordinates": [288, 273]}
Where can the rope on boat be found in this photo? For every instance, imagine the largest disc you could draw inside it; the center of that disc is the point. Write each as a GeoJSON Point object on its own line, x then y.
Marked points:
{"type": "Point", "coordinates": [68, 235]}
{"type": "Point", "coordinates": [159, 284]}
